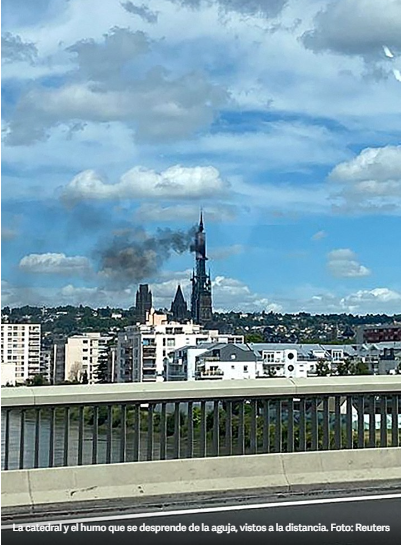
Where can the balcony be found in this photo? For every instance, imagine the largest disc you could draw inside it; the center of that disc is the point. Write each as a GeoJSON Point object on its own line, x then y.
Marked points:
{"type": "Point", "coordinates": [209, 373]}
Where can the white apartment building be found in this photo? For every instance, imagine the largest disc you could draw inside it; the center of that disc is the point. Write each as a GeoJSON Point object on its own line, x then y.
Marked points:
{"type": "Point", "coordinates": [8, 374]}
{"type": "Point", "coordinates": [297, 360]}
{"type": "Point", "coordinates": [20, 345]}
{"type": "Point", "coordinates": [141, 349]}
{"type": "Point", "coordinates": [284, 363]}
{"type": "Point", "coordinates": [82, 354]}
{"type": "Point", "coordinates": [226, 361]}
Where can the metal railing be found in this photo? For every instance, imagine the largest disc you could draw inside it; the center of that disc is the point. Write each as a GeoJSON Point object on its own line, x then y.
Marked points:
{"type": "Point", "coordinates": [76, 425]}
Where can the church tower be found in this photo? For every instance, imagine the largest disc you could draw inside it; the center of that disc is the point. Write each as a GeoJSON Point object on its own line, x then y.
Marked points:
{"type": "Point", "coordinates": [143, 302]}
{"type": "Point", "coordinates": [179, 306]}
{"type": "Point", "coordinates": [201, 296]}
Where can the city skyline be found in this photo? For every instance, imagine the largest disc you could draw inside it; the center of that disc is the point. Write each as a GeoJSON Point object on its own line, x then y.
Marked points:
{"type": "Point", "coordinates": [281, 120]}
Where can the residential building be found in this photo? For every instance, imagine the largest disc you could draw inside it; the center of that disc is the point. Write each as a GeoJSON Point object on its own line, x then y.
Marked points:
{"type": "Point", "coordinates": [368, 333]}
{"type": "Point", "coordinates": [20, 345]}
{"type": "Point", "coordinates": [82, 353]}
{"type": "Point", "coordinates": [209, 361]}
{"type": "Point", "coordinates": [141, 349]}
{"type": "Point", "coordinates": [8, 378]}
{"type": "Point", "coordinates": [226, 361]}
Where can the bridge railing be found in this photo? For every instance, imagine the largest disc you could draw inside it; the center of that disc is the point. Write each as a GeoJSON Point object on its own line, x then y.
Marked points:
{"type": "Point", "coordinates": [59, 426]}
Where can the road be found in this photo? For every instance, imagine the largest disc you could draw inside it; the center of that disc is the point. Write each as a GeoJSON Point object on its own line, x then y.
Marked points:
{"type": "Point", "coordinates": [365, 519]}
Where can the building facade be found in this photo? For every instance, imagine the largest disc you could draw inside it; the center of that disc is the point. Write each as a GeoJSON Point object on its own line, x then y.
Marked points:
{"type": "Point", "coordinates": [20, 345]}
{"type": "Point", "coordinates": [226, 361]}
{"type": "Point", "coordinates": [232, 359]}
{"type": "Point", "coordinates": [82, 353]}
{"type": "Point", "coordinates": [142, 349]}
{"type": "Point", "coordinates": [180, 364]}
{"type": "Point", "coordinates": [378, 333]}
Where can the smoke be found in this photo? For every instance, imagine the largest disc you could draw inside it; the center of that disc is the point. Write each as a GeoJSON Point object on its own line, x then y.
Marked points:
{"type": "Point", "coordinates": [134, 256]}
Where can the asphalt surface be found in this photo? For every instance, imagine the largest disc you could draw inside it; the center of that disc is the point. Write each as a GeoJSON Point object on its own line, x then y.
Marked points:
{"type": "Point", "coordinates": [370, 519]}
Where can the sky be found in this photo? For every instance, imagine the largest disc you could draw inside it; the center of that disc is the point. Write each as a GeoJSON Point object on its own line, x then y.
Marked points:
{"type": "Point", "coordinates": [279, 118]}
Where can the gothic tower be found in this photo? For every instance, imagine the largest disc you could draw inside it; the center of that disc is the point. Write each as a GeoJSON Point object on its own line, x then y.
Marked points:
{"type": "Point", "coordinates": [201, 296]}
{"type": "Point", "coordinates": [143, 302]}
{"type": "Point", "coordinates": [179, 306]}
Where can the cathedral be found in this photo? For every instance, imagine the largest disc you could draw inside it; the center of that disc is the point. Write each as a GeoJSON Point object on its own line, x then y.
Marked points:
{"type": "Point", "coordinates": [201, 295]}
{"type": "Point", "coordinates": [201, 291]}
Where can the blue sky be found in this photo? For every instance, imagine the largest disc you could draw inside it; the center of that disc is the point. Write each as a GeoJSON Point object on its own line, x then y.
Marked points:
{"type": "Point", "coordinates": [280, 119]}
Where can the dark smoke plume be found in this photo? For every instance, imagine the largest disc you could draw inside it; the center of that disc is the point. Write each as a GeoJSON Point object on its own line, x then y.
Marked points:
{"type": "Point", "coordinates": [137, 256]}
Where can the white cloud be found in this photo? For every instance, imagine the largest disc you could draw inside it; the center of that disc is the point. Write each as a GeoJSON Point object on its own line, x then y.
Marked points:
{"type": "Point", "coordinates": [381, 165]}
{"type": "Point", "coordinates": [280, 144]}
{"type": "Point", "coordinates": [97, 297]}
{"type": "Point", "coordinates": [103, 62]}
{"type": "Point", "coordinates": [55, 263]}
{"type": "Point", "coordinates": [369, 181]}
{"type": "Point", "coordinates": [342, 263]}
{"type": "Point", "coordinates": [319, 235]}
{"type": "Point", "coordinates": [13, 49]}
{"type": "Point", "coordinates": [219, 254]}
{"type": "Point", "coordinates": [142, 11]}
{"type": "Point", "coordinates": [376, 300]}
{"type": "Point", "coordinates": [232, 294]}
{"type": "Point", "coordinates": [264, 8]}
{"type": "Point", "coordinates": [356, 27]}
{"type": "Point", "coordinates": [321, 301]}
{"type": "Point", "coordinates": [106, 86]}
{"type": "Point", "coordinates": [175, 182]}
{"type": "Point", "coordinates": [183, 212]}
{"type": "Point", "coordinates": [8, 234]}
{"type": "Point", "coordinates": [228, 294]}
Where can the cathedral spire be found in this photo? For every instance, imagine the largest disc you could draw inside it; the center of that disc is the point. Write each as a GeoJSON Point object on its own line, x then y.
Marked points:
{"type": "Point", "coordinates": [179, 306]}
{"type": "Point", "coordinates": [201, 298]}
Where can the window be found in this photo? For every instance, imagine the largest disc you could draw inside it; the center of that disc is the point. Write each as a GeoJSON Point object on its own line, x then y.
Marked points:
{"type": "Point", "coordinates": [245, 369]}
{"type": "Point", "coordinates": [269, 356]}
{"type": "Point", "coordinates": [233, 366]}
{"type": "Point", "coordinates": [233, 356]}
{"type": "Point", "coordinates": [170, 342]}
{"type": "Point", "coordinates": [291, 356]}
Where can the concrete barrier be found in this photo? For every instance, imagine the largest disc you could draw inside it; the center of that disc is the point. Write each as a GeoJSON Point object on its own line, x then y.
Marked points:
{"type": "Point", "coordinates": [35, 487]}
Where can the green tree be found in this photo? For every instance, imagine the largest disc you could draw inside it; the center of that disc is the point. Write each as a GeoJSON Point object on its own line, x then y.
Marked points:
{"type": "Point", "coordinates": [322, 367]}
{"type": "Point", "coordinates": [102, 372]}
{"type": "Point", "coordinates": [37, 379]}
{"type": "Point", "coordinates": [351, 368]}
{"type": "Point", "coordinates": [254, 338]}
{"type": "Point", "coordinates": [360, 369]}
{"type": "Point", "coordinates": [344, 368]}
